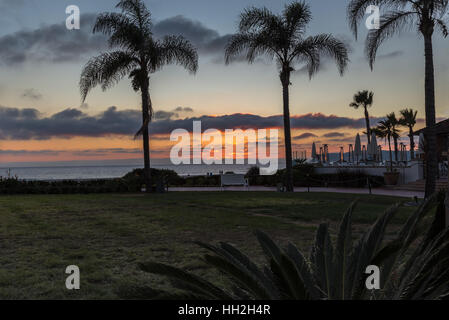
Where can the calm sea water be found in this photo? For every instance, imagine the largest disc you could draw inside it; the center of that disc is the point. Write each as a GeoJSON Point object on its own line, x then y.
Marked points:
{"type": "Point", "coordinates": [104, 169]}
{"type": "Point", "coordinates": [115, 168]}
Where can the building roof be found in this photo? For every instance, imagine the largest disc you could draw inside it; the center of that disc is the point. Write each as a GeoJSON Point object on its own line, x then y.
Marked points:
{"type": "Point", "coordinates": [441, 128]}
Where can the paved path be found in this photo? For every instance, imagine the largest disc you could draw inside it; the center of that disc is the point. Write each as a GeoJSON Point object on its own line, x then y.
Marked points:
{"type": "Point", "coordinates": [384, 192]}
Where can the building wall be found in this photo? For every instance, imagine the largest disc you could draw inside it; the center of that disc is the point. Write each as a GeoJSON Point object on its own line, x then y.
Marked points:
{"type": "Point", "coordinates": [411, 173]}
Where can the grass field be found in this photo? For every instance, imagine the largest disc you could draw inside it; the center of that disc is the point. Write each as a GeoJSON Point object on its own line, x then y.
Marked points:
{"type": "Point", "coordinates": [107, 235]}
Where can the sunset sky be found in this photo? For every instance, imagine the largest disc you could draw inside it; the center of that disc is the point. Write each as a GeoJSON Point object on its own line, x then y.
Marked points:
{"type": "Point", "coordinates": [42, 119]}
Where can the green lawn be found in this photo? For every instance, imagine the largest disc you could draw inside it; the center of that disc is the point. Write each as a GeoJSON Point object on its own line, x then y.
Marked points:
{"type": "Point", "coordinates": [107, 235]}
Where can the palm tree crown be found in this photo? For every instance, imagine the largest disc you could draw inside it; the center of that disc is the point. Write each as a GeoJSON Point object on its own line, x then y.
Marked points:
{"type": "Point", "coordinates": [408, 119]}
{"type": "Point", "coordinates": [386, 130]}
{"type": "Point", "coordinates": [364, 99]}
{"type": "Point", "coordinates": [395, 123]}
{"type": "Point", "coordinates": [283, 37]}
{"type": "Point", "coordinates": [139, 53]}
{"type": "Point", "coordinates": [136, 55]}
{"type": "Point", "coordinates": [426, 15]}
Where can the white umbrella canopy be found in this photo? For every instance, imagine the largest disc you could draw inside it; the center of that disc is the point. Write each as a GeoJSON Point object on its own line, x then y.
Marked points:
{"type": "Point", "coordinates": [421, 144]}
{"type": "Point", "coordinates": [374, 144]}
{"type": "Point", "coordinates": [314, 156]}
{"type": "Point", "coordinates": [372, 147]}
{"type": "Point", "coordinates": [357, 147]}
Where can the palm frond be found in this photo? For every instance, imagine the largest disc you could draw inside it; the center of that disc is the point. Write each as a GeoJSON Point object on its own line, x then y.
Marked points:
{"type": "Point", "coordinates": [328, 45]}
{"type": "Point", "coordinates": [184, 280]}
{"type": "Point", "coordinates": [176, 50]}
{"type": "Point", "coordinates": [297, 16]}
{"type": "Point", "coordinates": [391, 23]}
{"type": "Point", "coordinates": [356, 10]}
{"type": "Point", "coordinates": [256, 19]}
{"type": "Point", "coordinates": [106, 70]}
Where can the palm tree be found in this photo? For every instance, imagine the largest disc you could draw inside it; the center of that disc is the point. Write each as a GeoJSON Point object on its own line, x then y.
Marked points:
{"type": "Point", "coordinates": [426, 16]}
{"type": "Point", "coordinates": [283, 37]}
{"type": "Point", "coordinates": [394, 124]}
{"type": "Point", "coordinates": [386, 130]}
{"type": "Point", "coordinates": [137, 55]}
{"type": "Point", "coordinates": [408, 119]}
{"type": "Point", "coordinates": [364, 99]}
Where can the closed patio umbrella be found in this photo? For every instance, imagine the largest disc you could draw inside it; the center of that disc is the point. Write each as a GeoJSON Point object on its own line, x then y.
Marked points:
{"type": "Point", "coordinates": [314, 156]}
{"type": "Point", "coordinates": [421, 144]}
{"type": "Point", "coordinates": [357, 148]}
{"type": "Point", "coordinates": [374, 147]}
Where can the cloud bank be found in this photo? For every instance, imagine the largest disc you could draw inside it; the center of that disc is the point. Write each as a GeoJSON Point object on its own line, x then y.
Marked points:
{"type": "Point", "coordinates": [30, 124]}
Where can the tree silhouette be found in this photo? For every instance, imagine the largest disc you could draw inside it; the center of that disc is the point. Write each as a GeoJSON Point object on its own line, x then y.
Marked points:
{"type": "Point", "coordinates": [364, 99]}
{"type": "Point", "coordinates": [394, 124]}
{"type": "Point", "coordinates": [137, 56]}
{"type": "Point", "coordinates": [426, 17]}
{"type": "Point", "coordinates": [408, 119]}
{"type": "Point", "coordinates": [283, 37]}
{"type": "Point", "coordinates": [386, 131]}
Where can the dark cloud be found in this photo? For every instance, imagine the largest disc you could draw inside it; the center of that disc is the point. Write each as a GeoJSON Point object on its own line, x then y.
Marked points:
{"type": "Point", "coordinates": [31, 94]}
{"type": "Point", "coordinates": [55, 43]}
{"type": "Point", "coordinates": [334, 135]}
{"type": "Point", "coordinates": [165, 115]}
{"type": "Point", "coordinates": [28, 152]}
{"type": "Point", "coordinates": [205, 39]}
{"type": "Point", "coordinates": [26, 124]}
{"type": "Point", "coordinates": [105, 152]}
{"type": "Point", "coordinates": [305, 136]}
{"type": "Point", "coordinates": [183, 109]}
{"type": "Point", "coordinates": [52, 43]}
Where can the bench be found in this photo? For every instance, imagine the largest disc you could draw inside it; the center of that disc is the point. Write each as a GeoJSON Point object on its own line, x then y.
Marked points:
{"type": "Point", "coordinates": [234, 180]}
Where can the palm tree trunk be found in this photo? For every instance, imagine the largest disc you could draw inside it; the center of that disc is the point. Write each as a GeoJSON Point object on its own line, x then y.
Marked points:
{"type": "Point", "coordinates": [285, 79]}
{"type": "Point", "coordinates": [146, 136]}
{"type": "Point", "coordinates": [368, 127]}
{"type": "Point", "coordinates": [431, 152]}
{"type": "Point", "coordinates": [391, 154]}
{"type": "Point", "coordinates": [412, 144]}
{"type": "Point", "coordinates": [395, 149]}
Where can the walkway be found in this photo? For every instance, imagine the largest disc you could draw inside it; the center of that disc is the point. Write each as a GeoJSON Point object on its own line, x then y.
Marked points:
{"type": "Point", "coordinates": [383, 192]}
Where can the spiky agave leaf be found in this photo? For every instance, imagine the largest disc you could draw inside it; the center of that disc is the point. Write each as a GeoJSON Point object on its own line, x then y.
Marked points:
{"type": "Point", "coordinates": [303, 269]}
{"type": "Point", "coordinates": [283, 269]}
{"type": "Point", "coordinates": [343, 253]}
{"type": "Point", "coordinates": [364, 251]}
{"type": "Point", "coordinates": [391, 253]}
{"type": "Point", "coordinates": [184, 280]}
{"type": "Point", "coordinates": [321, 258]}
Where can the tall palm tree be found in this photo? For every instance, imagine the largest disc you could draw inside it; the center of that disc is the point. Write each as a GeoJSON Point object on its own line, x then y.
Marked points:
{"type": "Point", "coordinates": [137, 55]}
{"type": "Point", "coordinates": [283, 37]}
{"type": "Point", "coordinates": [426, 16]}
{"type": "Point", "coordinates": [364, 99]}
{"type": "Point", "coordinates": [408, 119]}
{"type": "Point", "coordinates": [385, 130]}
{"type": "Point", "coordinates": [394, 124]}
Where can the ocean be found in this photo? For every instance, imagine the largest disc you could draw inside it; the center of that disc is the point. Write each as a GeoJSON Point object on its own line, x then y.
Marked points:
{"type": "Point", "coordinates": [82, 170]}
{"type": "Point", "coordinates": [106, 169]}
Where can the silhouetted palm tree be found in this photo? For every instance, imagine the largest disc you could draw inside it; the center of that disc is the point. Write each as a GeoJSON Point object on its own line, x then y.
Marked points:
{"type": "Point", "coordinates": [386, 131]}
{"type": "Point", "coordinates": [282, 37]}
{"type": "Point", "coordinates": [394, 124]}
{"type": "Point", "coordinates": [408, 120]}
{"type": "Point", "coordinates": [364, 99]}
{"type": "Point", "coordinates": [137, 56]}
{"type": "Point", "coordinates": [425, 15]}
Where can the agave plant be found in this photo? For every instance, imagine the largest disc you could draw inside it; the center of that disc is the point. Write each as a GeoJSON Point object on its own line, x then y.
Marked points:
{"type": "Point", "coordinates": [414, 265]}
